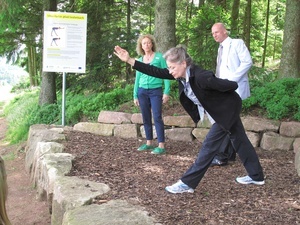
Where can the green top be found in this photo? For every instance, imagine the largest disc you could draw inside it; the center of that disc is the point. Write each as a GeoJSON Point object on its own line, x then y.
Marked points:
{"type": "Point", "coordinates": [148, 82]}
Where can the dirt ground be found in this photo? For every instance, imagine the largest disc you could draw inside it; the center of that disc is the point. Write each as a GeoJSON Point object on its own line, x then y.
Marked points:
{"type": "Point", "coordinates": [140, 178]}
{"type": "Point", "coordinates": [22, 206]}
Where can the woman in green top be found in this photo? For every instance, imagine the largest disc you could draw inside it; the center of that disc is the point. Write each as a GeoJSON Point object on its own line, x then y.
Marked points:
{"type": "Point", "coordinates": [148, 94]}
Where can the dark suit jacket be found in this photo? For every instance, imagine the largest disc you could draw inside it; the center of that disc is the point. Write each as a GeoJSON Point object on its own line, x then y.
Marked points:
{"type": "Point", "coordinates": [217, 96]}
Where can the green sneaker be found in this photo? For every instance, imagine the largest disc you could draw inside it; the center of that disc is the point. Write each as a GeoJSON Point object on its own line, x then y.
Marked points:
{"type": "Point", "coordinates": [145, 147]}
{"type": "Point", "coordinates": [158, 151]}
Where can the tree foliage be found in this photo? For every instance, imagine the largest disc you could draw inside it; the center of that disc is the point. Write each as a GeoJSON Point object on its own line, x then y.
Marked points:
{"type": "Point", "coordinates": [202, 47]}
{"type": "Point", "coordinates": [116, 22]}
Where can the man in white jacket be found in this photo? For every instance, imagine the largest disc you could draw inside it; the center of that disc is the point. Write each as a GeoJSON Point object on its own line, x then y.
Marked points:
{"type": "Point", "coordinates": [233, 63]}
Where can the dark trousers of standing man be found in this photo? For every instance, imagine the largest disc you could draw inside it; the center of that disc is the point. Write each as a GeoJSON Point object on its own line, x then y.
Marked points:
{"type": "Point", "coordinates": [210, 147]}
{"type": "Point", "coordinates": [226, 152]}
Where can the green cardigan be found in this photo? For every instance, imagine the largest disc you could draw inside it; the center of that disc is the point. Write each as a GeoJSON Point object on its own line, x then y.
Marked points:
{"type": "Point", "coordinates": [148, 82]}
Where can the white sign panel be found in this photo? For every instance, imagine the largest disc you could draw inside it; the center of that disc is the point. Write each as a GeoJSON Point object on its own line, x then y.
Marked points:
{"type": "Point", "coordinates": [64, 42]}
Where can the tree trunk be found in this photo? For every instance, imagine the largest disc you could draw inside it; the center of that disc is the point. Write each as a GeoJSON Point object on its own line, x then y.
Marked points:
{"type": "Point", "coordinates": [290, 55]}
{"type": "Point", "coordinates": [201, 3]}
{"type": "Point", "coordinates": [165, 14]}
{"type": "Point", "coordinates": [72, 6]}
{"type": "Point", "coordinates": [128, 67]}
{"type": "Point", "coordinates": [234, 18]}
{"type": "Point", "coordinates": [32, 66]}
{"type": "Point", "coordinates": [150, 19]}
{"type": "Point", "coordinates": [48, 84]}
{"type": "Point", "coordinates": [247, 24]}
{"type": "Point", "coordinates": [221, 3]}
{"type": "Point", "coordinates": [266, 36]}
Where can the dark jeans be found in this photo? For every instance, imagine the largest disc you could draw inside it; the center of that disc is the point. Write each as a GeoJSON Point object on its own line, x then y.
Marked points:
{"type": "Point", "coordinates": [152, 99]}
{"type": "Point", "coordinates": [211, 146]}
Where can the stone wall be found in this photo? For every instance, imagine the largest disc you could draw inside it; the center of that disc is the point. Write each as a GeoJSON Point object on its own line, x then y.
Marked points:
{"type": "Point", "coordinates": [264, 133]}
{"type": "Point", "coordinates": [70, 199]}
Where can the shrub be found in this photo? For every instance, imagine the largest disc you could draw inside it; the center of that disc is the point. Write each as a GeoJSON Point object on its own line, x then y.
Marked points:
{"type": "Point", "coordinates": [89, 106]}
{"type": "Point", "coordinates": [45, 114]}
{"type": "Point", "coordinates": [279, 99]}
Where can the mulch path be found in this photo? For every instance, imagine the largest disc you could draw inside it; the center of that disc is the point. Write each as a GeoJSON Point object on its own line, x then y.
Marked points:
{"type": "Point", "coordinates": [140, 178]}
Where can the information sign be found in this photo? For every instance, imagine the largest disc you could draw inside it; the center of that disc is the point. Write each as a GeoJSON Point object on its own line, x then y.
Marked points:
{"type": "Point", "coordinates": [64, 42]}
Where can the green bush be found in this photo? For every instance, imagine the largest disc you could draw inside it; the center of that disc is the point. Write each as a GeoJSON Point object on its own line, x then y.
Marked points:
{"type": "Point", "coordinates": [279, 99]}
{"type": "Point", "coordinates": [89, 106]}
{"type": "Point", "coordinates": [17, 114]}
{"type": "Point", "coordinates": [259, 76]}
{"type": "Point", "coordinates": [45, 114]}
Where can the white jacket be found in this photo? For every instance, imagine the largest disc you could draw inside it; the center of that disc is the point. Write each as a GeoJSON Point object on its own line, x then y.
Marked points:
{"type": "Point", "coordinates": [236, 62]}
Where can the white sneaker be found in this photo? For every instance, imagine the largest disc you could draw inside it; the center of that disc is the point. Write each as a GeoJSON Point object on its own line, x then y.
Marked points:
{"type": "Point", "coordinates": [179, 187]}
{"type": "Point", "coordinates": [248, 180]}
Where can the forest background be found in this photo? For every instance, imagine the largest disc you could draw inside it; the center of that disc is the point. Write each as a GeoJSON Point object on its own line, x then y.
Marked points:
{"type": "Point", "coordinates": [270, 29]}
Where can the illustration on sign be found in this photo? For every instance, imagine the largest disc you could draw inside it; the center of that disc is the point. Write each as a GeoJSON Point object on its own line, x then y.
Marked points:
{"type": "Point", "coordinates": [58, 37]}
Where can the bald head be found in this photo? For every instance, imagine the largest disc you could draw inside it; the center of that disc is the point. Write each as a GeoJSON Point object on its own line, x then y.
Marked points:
{"type": "Point", "coordinates": [219, 32]}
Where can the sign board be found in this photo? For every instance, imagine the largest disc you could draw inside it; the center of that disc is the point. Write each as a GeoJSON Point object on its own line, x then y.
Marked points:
{"type": "Point", "coordinates": [64, 42]}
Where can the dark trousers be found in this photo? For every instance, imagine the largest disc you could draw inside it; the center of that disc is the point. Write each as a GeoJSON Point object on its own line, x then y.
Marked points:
{"type": "Point", "coordinates": [151, 100]}
{"type": "Point", "coordinates": [211, 146]}
{"type": "Point", "coordinates": [226, 152]}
